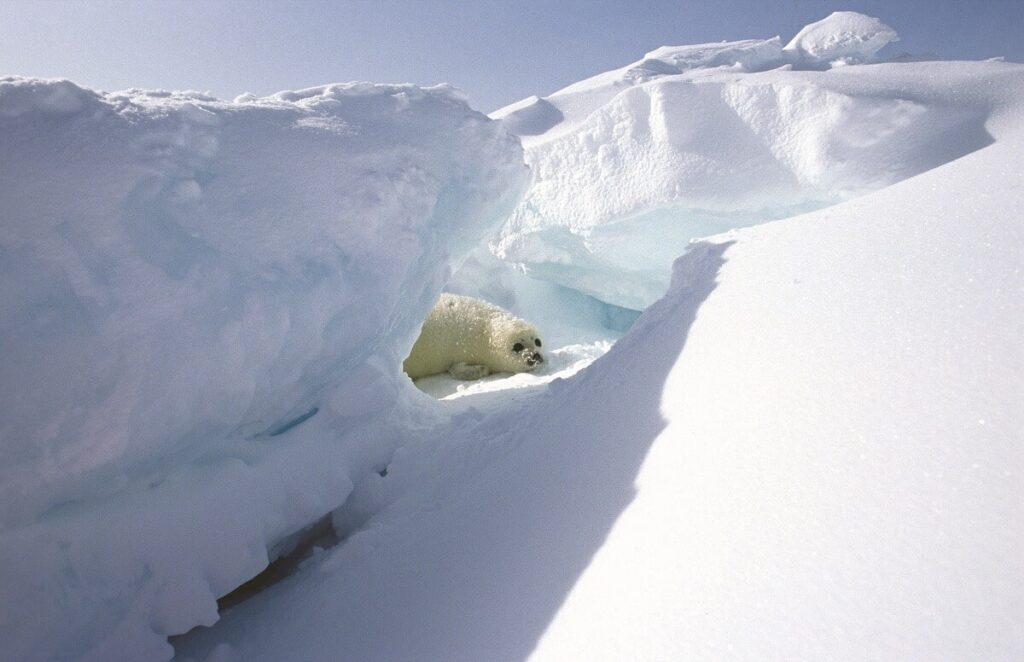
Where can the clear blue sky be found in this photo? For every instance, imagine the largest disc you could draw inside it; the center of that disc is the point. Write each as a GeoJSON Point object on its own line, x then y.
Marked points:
{"type": "Point", "coordinates": [496, 51]}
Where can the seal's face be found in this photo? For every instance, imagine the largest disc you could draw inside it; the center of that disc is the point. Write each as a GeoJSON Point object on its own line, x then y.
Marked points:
{"type": "Point", "coordinates": [525, 351]}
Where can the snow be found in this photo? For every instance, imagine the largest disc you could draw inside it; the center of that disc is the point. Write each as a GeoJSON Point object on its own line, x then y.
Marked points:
{"type": "Point", "coordinates": [630, 165]}
{"type": "Point", "coordinates": [807, 446]}
{"type": "Point", "coordinates": [185, 280]}
{"type": "Point", "coordinates": [561, 363]}
{"type": "Point", "coordinates": [843, 35]}
{"type": "Point", "coordinates": [839, 475]}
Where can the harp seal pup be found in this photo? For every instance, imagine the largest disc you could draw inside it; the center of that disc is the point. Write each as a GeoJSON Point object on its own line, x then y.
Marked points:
{"type": "Point", "coordinates": [470, 339]}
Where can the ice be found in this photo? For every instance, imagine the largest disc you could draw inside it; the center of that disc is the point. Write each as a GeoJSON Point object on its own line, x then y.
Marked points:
{"type": "Point", "coordinates": [813, 435]}
{"type": "Point", "coordinates": [807, 446]}
{"type": "Point", "coordinates": [565, 109]}
{"type": "Point", "coordinates": [186, 280]}
{"type": "Point", "coordinates": [199, 300]}
{"type": "Point", "coordinates": [566, 316]}
{"type": "Point", "coordinates": [613, 201]}
{"type": "Point", "coordinates": [843, 35]}
{"type": "Point", "coordinates": [695, 140]}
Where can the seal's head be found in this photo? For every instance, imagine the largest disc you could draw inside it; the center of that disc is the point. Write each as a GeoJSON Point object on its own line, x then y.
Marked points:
{"type": "Point", "coordinates": [518, 345]}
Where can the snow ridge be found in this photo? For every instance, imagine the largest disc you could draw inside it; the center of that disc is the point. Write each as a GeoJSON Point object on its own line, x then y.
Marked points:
{"type": "Point", "coordinates": [200, 301]}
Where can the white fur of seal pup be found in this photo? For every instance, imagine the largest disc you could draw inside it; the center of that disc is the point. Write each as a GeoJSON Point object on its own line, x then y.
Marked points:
{"type": "Point", "coordinates": [470, 339]}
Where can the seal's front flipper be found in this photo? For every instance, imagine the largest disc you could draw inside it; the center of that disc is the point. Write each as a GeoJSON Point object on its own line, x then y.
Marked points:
{"type": "Point", "coordinates": [467, 371]}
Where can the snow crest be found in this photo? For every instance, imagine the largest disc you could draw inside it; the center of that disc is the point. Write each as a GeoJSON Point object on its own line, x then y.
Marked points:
{"type": "Point", "coordinates": [187, 286]}
{"type": "Point", "coordinates": [843, 35]}
{"type": "Point", "coordinates": [630, 165]}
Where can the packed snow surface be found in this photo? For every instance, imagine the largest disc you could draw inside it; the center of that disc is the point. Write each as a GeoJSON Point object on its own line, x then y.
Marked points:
{"type": "Point", "coordinates": [808, 446]}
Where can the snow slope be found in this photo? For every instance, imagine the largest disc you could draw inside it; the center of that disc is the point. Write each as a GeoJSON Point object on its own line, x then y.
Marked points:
{"type": "Point", "coordinates": [840, 473]}
{"type": "Point", "coordinates": [203, 305]}
{"type": "Point", "coordinates": [809, 448]}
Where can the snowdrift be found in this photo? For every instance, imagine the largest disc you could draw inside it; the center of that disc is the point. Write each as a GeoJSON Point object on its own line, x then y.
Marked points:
{"type": "Point", "coordinates": [845, 37]}
{"type": "Point", "coordinates": [630, 165]}
{"type": "Point", "coordinates": [185, 281]}
{"type": "Point", "coordinates": [809, 448]}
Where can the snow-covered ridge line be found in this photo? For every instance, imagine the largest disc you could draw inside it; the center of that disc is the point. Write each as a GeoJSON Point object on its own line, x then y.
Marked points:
{"type": "Point", "coordinates": [841, 38]}
{"type": "Point", "coordinates": [204, 307]}
{"type": "Point", "coordinates": [630, 165]}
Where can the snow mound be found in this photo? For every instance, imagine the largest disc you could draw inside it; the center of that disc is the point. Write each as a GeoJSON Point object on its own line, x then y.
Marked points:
{"type": "Point", "coordinates": [809, 448]}
{"type": "Point", "coordinates": [188, 287]}
{"type": "Point", "coordinates": [205, 268]}
{"type": "Point", "coordinates": [628, 166]}
{"type": "Point", "coordinates": [842, 35]}
{"type": "Point", "coordinates": [744, 55]}
{"type": "Point", "coordinates": [617, 196]}
{"type": "Point", "coordinates": [530, 117]}
{"type": "Point", "coordinates": [564, 109]}
{"type": "Point", "coordinates": [204, 306]}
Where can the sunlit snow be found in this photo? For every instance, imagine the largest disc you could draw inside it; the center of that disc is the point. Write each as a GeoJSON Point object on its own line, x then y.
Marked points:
{"type": "Point", "coordinates": [781, 287]}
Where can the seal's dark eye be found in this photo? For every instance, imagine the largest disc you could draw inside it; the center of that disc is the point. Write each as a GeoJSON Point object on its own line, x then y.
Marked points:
{"type": "Point", "coordinates": [518, 347]}
{"type": "Point", "coordinates": [537, 342]}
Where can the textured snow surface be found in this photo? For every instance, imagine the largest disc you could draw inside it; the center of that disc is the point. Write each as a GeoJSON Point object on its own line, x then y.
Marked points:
{"type": "Point", "coordinates": [840, 471]}
{"type": "Point", "coordinates": [844, 34]}
{"type": "Point", "coordinates": [185, 280]}
{"type": "Point", "coordinates": [630, 165]}
{"type": "Point", "coordinates": [810, 448]}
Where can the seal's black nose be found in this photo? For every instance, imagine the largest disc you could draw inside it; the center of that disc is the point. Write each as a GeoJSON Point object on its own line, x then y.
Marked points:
{"type": "Point", "coordinates": [534, 359]}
